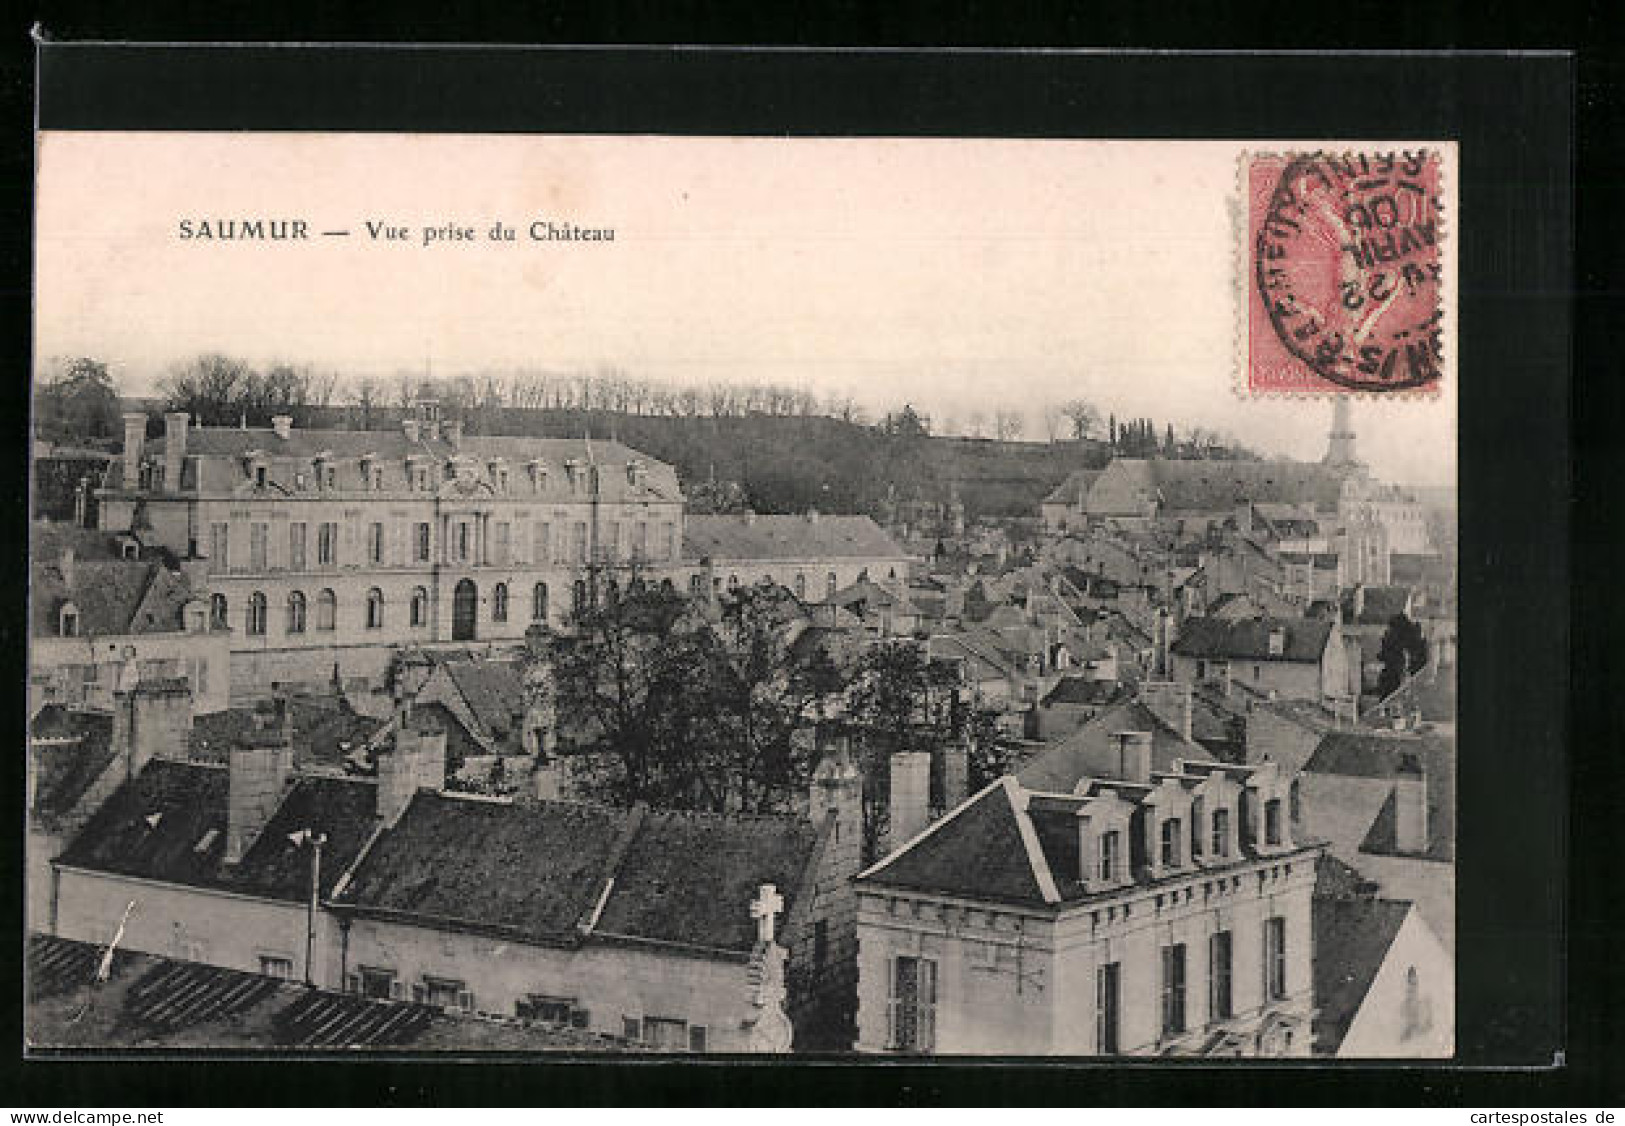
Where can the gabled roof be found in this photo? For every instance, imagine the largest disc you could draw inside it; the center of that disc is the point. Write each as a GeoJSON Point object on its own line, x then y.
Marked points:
{"type": "Point", "coordinates": [554, 872]}
{"type": "Point", "coordinates": [1198, 487]}
{"type": "Point", "coordinates": [169, 824]}
{"type": "Point", "coordinates": [1092, 750]}
{"type": "Point", "coordinates": [1352, 938]}
{"type": "Point", "coordinates": [1374, 757]}
{"type": "Point", "coordinates": [766, 538]}
{"type": "Point", "coordinates": [493, 690]}
{"type": "Point", "coordinates": [114, 598]}
{"type": "Point", "coordinates": [1083, 691]}
{"type": "Point", "coordinates": [1380, 605]}
{"type": "Point", "coordinates": [868, 595]}
{"type": "Point", "coordinates": [1074, 489]}
{"type": "Point", "coordinates": [1248, 639]}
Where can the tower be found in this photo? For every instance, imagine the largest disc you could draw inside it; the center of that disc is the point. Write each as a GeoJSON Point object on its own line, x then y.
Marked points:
{"type": "Point", "coordinates": [1340, 442]}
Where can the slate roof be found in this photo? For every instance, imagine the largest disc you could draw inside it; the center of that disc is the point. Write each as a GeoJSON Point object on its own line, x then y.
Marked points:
{"type": "Point", "coordinates": [1092, 751]}
{"type": "Point", "coordinates": [220, 466]}
{"type": "Point", "coordinates": [71, 751]}
{"type": "Point", "coordinates": [1380, 605]}
{"type": "Point", "coordinates": [764, 538]}
{"type": "Point", "coordinates": [1373, 757]}
{"type": "Point", "coordinates": [158, 826]}
{"type": "Point", "coordinates": [976, 852]}
{"type": "Point", "coordinates": [1248, 639]}
{"type": "Point", "coordinates": [690, 878]}
{"type": "Point", "coordinates": [1084, 692]}
{"type": "Point", "coordinates": [324, 731]}
{"type": "Point", "coordinates": [538, 871]}
{"type": "Point", "coordinates": [1210, 486]}
{"type": "Point", "coordinates": [1074, 489]}
{"type": "Point", "coordinates": [494, 692]}
{"type": "Point", "coordinates": [114, 598]}
{"type": "Point", "coordinates": [151, 1002]}
{"type": "Point", "coordinates": [1352, 938]}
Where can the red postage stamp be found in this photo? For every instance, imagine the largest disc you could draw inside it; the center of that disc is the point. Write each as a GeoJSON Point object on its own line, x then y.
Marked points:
{"type": "Point", "coordinates": [1344, 269]}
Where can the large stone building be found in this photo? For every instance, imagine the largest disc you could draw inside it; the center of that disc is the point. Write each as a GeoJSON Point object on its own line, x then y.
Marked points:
{"type": "Point", "coordinates": [1150, 912]}
{"type": "Point", "coordinates": [325, 548]}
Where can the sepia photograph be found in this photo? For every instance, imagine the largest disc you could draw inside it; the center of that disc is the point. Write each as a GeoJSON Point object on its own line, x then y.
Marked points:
{"type": "Point", "coordinates": [669, 596]}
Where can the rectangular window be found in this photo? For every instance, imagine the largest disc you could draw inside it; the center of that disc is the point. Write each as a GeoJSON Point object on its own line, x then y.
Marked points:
{"type": "Point", "coordinates": [377, 983]}
{"type": "Point", "coordinates": [640, 540]}
{"type": "Point", "coordinates": [462, 541]}
{"type": "Point", "coordinates": [612, 540]}
{"type": "Point", "coordinates": [257, 537]}
{"type": "Point", "coordinates": [502, 545]}
{"type": "Point", "coordinates": [296, 546]}
{"type": "Point", "coordinates": [1275, 958]}
{"type": "Point", "coordinates": [913, 1004]}
{"type": "Point", "coordinates": [375, 543]}
{"type": "Point", "coordinates": [668, 536]}
{"type": "Point", "coordinates": [421, 548]}
{"type": "Point", "coordinates": [1170, 842]}
{"type": "Point", "coordinates": [220, 546]}
{"type": "Point", "coordinates": [1111, 849]}
{"type": "Point", "coordinates": [445, 993]}
{"type": "Point", "coordinates": [1221, 832]}
{"type": "Point", "coordinates": [1219, 957]}
{"type": "Point", "coordinates": [542, 549]}
{"type": "Point", "coordinates": [276, 967]}
{"type": "Point", "coordinates": [578, 546]}
{"type": "Point", "coordinates": [820, 942]}
{"type": "Point", "coordinates": [1272, 821]}
{"type": "Point", "coordinates": [665, 1035]}
{"type": "Point", "coordinates": [1173, 989]}
{"type": "Point", "coordinates": [548, 1010]}
{"type": "Point", "coordinates": [327, 537]}
{"type": "Point", "coordinates": [696, 1037]}
{"type": "Point", "coordinates": [1108, 1007]}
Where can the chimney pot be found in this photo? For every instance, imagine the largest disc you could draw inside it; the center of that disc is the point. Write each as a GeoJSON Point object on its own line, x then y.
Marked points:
{"type": "Point", "coordinates": [174, 448]}
{"type": "Point", "coordinates": [1134, 755]}
{"type": "Point", "coordinates": [910, 796]}
{"type": "Point", "coordinates": [135, 435]}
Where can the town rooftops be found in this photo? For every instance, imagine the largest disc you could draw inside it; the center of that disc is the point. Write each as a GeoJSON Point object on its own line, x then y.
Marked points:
{"type": "Point", "coordinates": [1129, 485]}
{"type": "Point", "coordinates": [1375, 605]}
{"type": "Point", "coordinates": [1248, 639]}
{"type": "Point", "coordinates": [71, 750]}
{"type": "Point", "coordinates": [150, 1001]}
{"type": "Point", "coordinates": [751, 538]}
{"type": "Point", "coordinates": [1355, 770]}
{"type": "Point", "coordinates": [1074, 489]}
{"type": "Point", "coordinates": [1352, 937]}
{"type": "Point", "coordinates": [1083, 692]}
{"type": "Point", "coordinates": [1092, 749]}
{"type": "Point", "coordinates": [556, 872]}
{"type": "Point", "coordinates": [1012, 844]}
{"type": "Point", "coordinates": [114, 598]}
{"type": "Point", "coordinates": [169, 824]}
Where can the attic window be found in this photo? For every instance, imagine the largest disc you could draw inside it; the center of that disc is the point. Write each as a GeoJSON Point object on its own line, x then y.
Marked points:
{"type": "Point", "coordinates": [259, 476]}
{"type": "Point", "coordinates": [68, 620]}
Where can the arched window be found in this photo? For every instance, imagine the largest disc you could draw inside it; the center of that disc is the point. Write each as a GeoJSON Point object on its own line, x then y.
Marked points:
{"type": "Point", "coordinates": [891, 573]}
{"type": "Point", "coordinates": [733, 582]}
{"type": "Point", "coordinates": [499, 603]}
{"type": "Point", "coordinates": [829, 585]}
{"type": "Point", "coordinates": [256, 614]}
{"type": "Point", "coordinates": [296, 612]}
{"type": "Point", "coordinates": [696, 585]}
{"type": "Point", "coordinates": [327, 610]}
{"type": "Point", "coordinates": [801, 585]}
{"type": "Point", "coordinates": [538, 603]}
{"type": "Point", "coordinates": [420, 606]}
{"type": "Point", "coordinates": [217, 611]}
{"type": "Point", "coordinates": [68, 620]}
{"type": "Point", "coordinates": [375, 608]}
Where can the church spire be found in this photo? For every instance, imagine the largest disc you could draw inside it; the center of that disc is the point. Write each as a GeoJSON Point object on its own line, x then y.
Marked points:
{"type": "Point", "coordinates": [1340, 442]}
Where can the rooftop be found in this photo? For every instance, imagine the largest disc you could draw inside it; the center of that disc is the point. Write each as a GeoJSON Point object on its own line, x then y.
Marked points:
{"type": "Point", "coordinates": [1249, 638]}
{"type": "Point", "coordinates": [790, 538]}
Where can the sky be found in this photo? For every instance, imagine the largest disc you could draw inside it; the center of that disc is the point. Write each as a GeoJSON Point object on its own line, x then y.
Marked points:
{"type": "Point", "coordinates": [962, 276]}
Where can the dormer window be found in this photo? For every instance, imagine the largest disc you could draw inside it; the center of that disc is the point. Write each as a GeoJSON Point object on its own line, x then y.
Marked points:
{"type": "Point", "coordinates": [68, 620]}
{"type": "Point", "coordinates": [259, 476]}
{"type": "Point", "coordinates": [1111, 855]}
{"type": "Point", "coordinates": [1220, 839]}
{"type": "Point", "coordinates": [538, 475]}
{"type": "Point", "coordinates": [1272, 821]}
{"type": "Point", "coordinates": [332, 476]}
{"type": "Point", "coordinates": [1277, 641]}
{"type": "Point", "coordinates": [1172, 828]}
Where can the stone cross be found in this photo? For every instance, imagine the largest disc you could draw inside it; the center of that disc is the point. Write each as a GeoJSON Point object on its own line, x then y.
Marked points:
{"type": "Point", "coordinates": [767, 904]}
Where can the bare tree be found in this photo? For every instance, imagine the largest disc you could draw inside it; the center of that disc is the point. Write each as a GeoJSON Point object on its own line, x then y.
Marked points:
{"type": "Point", "coordinates": [976, 424]}
{"type": "Point", "coordinates": [1054, 420]}
{"type": "Point", "coordinates": [1084, 416]}
{"type": "Point", "coordinates": [1008, 424]}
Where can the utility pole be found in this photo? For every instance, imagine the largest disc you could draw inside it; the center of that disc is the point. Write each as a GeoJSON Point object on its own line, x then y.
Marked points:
{"type": "Point", "coordinates": [316, 841]}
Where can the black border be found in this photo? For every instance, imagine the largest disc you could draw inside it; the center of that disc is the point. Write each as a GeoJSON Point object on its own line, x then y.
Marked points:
{"type": "Point", "coordinates": [1514, 120]}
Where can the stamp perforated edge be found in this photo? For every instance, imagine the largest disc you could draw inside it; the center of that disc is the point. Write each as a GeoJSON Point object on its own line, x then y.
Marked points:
{"type": "Point", "coordinates": [1241, 270]}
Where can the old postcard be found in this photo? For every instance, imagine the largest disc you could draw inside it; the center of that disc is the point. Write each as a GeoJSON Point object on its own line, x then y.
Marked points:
{"type": "Point", "coordinates": [683, 595]}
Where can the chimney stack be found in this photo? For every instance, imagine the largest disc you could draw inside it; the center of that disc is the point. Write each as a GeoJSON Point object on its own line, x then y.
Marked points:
{"type": "Point", "coordinates": [282, 426]}
{"type": "Point", "coordinates": [1133, 756]}
{"type": "Point", "coordinates": [837, 786]}
{"type": "Point", "coordinates": [409, 426]}
{"type": "Point", "coordinates": [1410, 805]}
{"type": "Point", "coordinates": [152, 719]}
{"type": "Point", "coordinates": [955, 771]}
{"type": "Point", "coordinates": [174, 448]}
{"type": "Point", "coordinates": [135, 435]}
{"type": "Point", "coordinates": [261, 766]}
{"type": "Point", "coordinates": [1277, 639]}
{"type": "Point", "coordinates": [454, 432]}
{"type": "Point", "coordinates": [910, 796]}
{"type": "Point", "coordinates": [1171, 702]}
{"type": "Point", "coordinates": [416, 762]}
